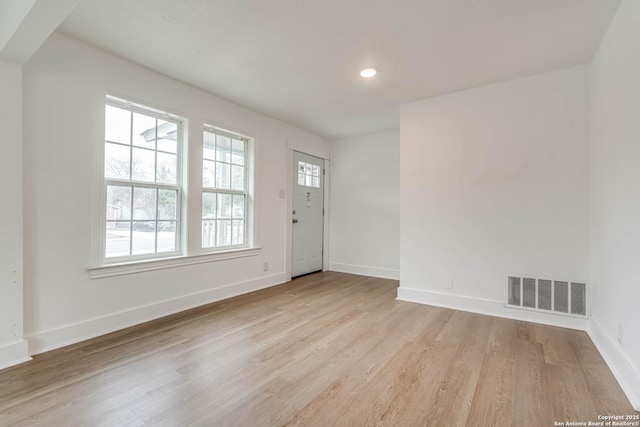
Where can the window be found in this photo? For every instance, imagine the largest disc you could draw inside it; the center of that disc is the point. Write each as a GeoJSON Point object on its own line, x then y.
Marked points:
{"type": "Point", "coordinates": [142, 171]}
{"type": "Point", "coordinates": [143, 218]}
{"type": "Point", "coordinates": [224, 189]}
{"type": "Point", "coordinates": [308, 175]}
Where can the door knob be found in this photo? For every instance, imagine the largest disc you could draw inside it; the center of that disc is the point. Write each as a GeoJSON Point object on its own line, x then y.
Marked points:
{"type": "Point", "coordinates": [295, 221]}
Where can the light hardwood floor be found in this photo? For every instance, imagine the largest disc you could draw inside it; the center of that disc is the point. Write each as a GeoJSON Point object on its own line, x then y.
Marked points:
{"type": "Point", "coordinates": [329, 349]}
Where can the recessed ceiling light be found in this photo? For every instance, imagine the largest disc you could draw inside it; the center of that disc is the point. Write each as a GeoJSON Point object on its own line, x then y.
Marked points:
{"type": "Point", "coordinates": [368, 72]}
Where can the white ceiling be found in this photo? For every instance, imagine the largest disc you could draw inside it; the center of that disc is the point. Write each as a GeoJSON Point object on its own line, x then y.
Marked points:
{"type": "Point", "coordinates": [298, 60]}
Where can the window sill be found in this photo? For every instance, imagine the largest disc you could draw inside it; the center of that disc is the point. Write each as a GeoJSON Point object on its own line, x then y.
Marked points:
{"type": "Point", "coordinates": [160, 264]}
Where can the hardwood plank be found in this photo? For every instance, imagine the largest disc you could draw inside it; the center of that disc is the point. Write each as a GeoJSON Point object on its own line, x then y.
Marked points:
{"type": "Point", "coordinates": [326, 349]}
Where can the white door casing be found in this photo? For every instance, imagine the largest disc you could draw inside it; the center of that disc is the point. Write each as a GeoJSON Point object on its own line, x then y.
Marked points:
{"type": "Point", "coordinates": [308, 207]}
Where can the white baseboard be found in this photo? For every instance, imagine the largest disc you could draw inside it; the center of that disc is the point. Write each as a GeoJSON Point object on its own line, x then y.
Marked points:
{"type": "Point", "coordinates": [622, 368]}
{"type": "Point", "coordinates": [14, 354]}
{"type": "Point", "coordinates": [364, 270]}
{"type": "Point", "coordinates": [91, 328]}
{"type": "Point", "coordinates": [489, 307]}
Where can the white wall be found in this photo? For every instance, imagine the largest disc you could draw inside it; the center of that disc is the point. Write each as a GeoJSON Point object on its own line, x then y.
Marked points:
{"type": "Point", "coordinates": [64, 87]}
{"type": "Point", "coordinates": [615, 204]}
{"type": "Point", "coordinates": [13, 348]}
{"type": "Point", "coordinates": [365, 205]}
{"type": "Point", "coordinates": [494, 181]}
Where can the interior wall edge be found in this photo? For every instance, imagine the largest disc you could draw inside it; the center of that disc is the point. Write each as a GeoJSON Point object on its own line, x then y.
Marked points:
{"type": "Point", "coordinates": [623, 370]}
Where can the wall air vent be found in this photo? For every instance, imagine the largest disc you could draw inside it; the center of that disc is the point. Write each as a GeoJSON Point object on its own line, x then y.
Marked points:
{"type": "Point", "coordinates": [547, 296]}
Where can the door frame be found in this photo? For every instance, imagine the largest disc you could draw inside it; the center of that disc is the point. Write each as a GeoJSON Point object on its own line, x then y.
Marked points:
{"type": "Point", "coordinates": [324, 155]}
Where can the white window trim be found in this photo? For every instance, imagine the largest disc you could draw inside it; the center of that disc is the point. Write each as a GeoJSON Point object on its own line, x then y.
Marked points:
{"type": "Point", "coordinates": [187, 253]}
{"type": "Point", "coordinates": [250, 211]}
{"type": "Point", "coordinates": [181, 145]}
{"type": "Point", "coordinates": [169, 262]}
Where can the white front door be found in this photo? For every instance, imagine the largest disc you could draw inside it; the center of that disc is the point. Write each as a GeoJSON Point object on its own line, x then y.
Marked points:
{"type": "Point", "coordinates": [308, 208]}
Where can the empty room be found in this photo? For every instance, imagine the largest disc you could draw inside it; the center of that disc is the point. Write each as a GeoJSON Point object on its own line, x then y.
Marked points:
{"type": "Point", "coordinates": [320, 213]}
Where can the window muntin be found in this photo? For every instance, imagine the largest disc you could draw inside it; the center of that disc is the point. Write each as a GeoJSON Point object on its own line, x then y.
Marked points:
{"type": "Point", "coordinates": [224, 189]}
{"type": "Point", "coordinates": [308, 175]}
{"type": "Point", "coordinates": [142, 182]}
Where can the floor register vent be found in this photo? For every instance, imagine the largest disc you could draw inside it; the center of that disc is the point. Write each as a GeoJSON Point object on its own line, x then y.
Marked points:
{"type": "Point", "coordinates": [548, 296]}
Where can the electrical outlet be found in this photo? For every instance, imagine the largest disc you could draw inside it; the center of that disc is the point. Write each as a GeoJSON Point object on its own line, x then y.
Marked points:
{"type": "Point", "coordinates": [266, 266]}
{"type": "Point", "coordinates": [620, 333]}
{"type": "Point", "coordinates": [450, 283]}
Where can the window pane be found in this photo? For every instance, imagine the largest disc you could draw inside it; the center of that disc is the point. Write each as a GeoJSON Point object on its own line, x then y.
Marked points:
{"type": "Point", "coordinates": [238, 232]}
{"type": "Point", "coordinates": [208, 233]}
{"type": "Point", "coordinates": [167, 204]}
{"type": "Point", "coordinates": [167, 136]}
{"type": "Point", "coordinates": [208, 205]}
{"type": "Point", "coordinates": [223, 175]}
{"type": "Point", "coordinates": [307, 180]}
{"type": "Point", "coordinates": [166, 236]}
{"type": "Point", "coordinates": [144, 162]}
{"type": "Point", "coordinates": [141, 219]}
{"type": "Point", "coordinates": [166, 172]}
{"type": "Point", "coordinates": [144, 131]}
{"type": "Point", "coordinates": [316, 170]}
{"type": "Point", "coordinates": [224, 205]}
{"type": "Point", "coordinates": [118, 203]}
{"type": "Point", "coordinates": [209, 146]}
{"type": "Point", "coordinates": [208, 173]}
{"type": "Point", "coordinates": [238, 206]}
{"type": "Point", "coordinates": [117, 125]}
{"type": "Point", "coordinates": [316, 182]}
{"type": "Point", "coordinates": [223, 233]}
{"type": "Point", "coordinates": [300, 179]}
{"type": "Point", "coordinates": [307, 169]}
{"type": "Point", "coordinates": [118, 235]}
{"type": "Point", "coordinates": [237, 177]}
{"type": "Point", "coordinates": [237, 152]}
{"type": "Point", "coordinates": [116, 161]}
{"type": "Point", "coordinates": [144, 237]}
{"type": "Point", "coordinates": [301, 167]}
{"type": "Point", "coordinates": [144, 204]}
{"type": "Point", "coordinates": [223, 149]}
